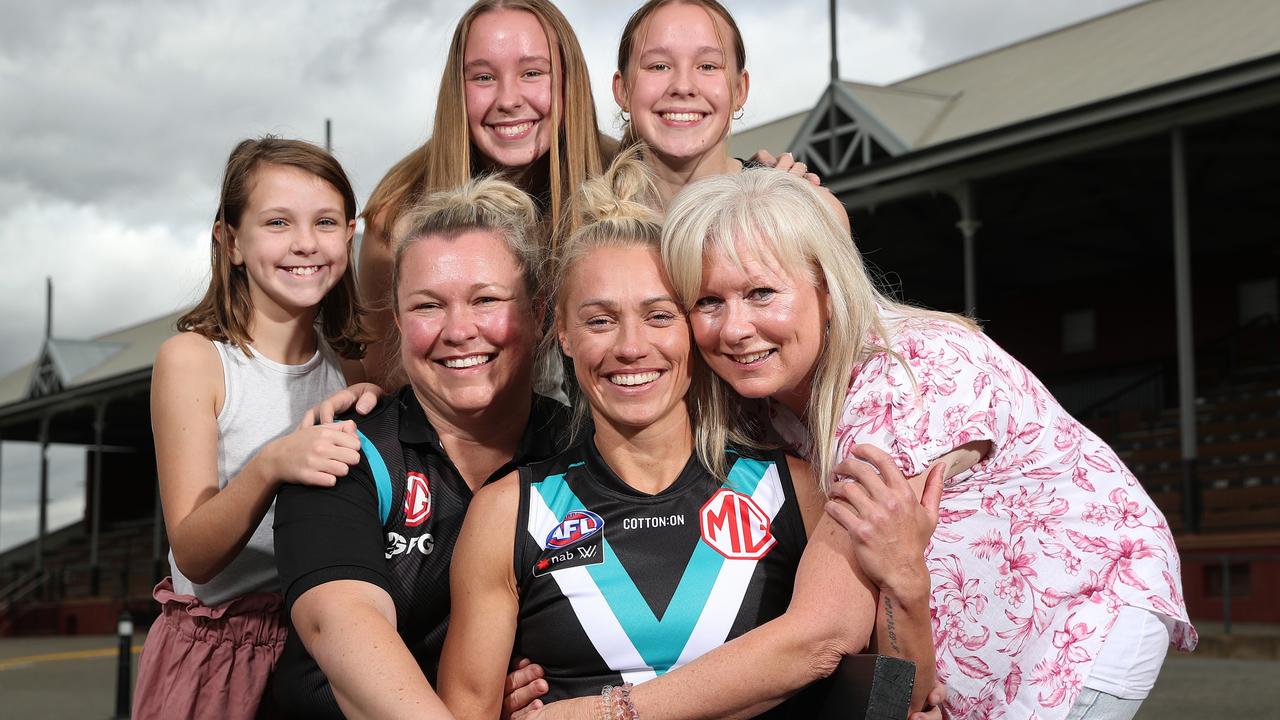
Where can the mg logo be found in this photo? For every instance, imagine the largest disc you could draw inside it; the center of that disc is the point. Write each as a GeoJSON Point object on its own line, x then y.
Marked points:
{"type": "Point", "coordinates": [417, 500]}
{"type": "Point", "coordinates": [577, 525]}
{"type": "Point", "coordinates": [735, 526]}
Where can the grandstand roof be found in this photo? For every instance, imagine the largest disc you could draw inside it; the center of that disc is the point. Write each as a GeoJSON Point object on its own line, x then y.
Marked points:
{"type": "Point", "coordinates": [1116, 54]}
{"type": "Point", "coordinates": [83, 362]}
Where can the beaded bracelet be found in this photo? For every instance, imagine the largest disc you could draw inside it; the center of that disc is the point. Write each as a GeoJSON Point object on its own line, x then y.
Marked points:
{"type": "Point", "coordinates": [606, 705]}
{"type": "Point", "coordinates": [623, 709]}
{"type": "Point", "coordinates": [615, 703]}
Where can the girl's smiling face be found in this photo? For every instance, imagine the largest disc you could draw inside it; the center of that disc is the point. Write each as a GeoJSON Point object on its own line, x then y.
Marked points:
{"type": "Point", "coordinates": [682, 86]}
{"type": "Point", "coordinates": [509, 87]}
{"type": "Point", "coordinates": [292, 240]}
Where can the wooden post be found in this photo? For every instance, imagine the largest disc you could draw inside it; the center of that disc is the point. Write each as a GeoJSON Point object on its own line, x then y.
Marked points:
{"type": "Point", "coordinates": [1191, 506]}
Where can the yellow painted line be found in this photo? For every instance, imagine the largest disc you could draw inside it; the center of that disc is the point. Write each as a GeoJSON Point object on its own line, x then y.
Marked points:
{"type": "Point", "coordinates": [70, 655]}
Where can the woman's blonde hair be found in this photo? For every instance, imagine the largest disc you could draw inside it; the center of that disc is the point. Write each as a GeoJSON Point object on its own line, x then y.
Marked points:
{"type": "Point", "coordinates": [617, 212]}
{"type": "Point", "coordinates": [489, 204]}
{"type": "Point", "coordinates": [447, 159]}
{"type": "Point", "coordinates": [637, 29]}
{"type": "Point", "coordinates": [486, 203]}
{"type": "Point", "coordinates": [780, 217]}
{"type": "Point", "coordinates": [226, 310]}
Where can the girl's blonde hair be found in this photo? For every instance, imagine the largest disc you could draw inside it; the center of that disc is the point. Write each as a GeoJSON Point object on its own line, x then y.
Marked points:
{"type": "Point", "coordinates": [780, 217]}
{"type": "Point", "coordinates": [447, 159]}
{"type": "Point", "coordinates": [637, 28]}
{"type": "Point", "coordinates": [617, 212]}
{"type": "Point", "coordinates": [226, 310]}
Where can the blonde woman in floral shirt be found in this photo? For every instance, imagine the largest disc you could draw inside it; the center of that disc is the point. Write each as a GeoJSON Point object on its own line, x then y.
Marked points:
{"type": "Point", "coordinates": [1055, 580]}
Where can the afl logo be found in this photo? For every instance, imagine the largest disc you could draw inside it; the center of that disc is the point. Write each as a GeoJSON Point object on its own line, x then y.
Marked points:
{"type": "Point", "coordinates": [735, 526]}
{"type": "Point", "coordinates": [577, 525]}
{"type": "Point", "coordinates": [417, 500]}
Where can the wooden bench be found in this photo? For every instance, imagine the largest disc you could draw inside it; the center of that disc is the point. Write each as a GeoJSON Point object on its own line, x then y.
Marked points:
{"type": "Point", "coordinates": [1238, 507]}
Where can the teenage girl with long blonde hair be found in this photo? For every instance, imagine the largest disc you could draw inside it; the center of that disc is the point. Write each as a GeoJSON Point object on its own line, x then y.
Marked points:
{"type": "Point", "coordinates": [515, 98]}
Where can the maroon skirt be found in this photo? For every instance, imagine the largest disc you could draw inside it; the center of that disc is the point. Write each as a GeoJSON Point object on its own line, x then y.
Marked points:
{"type": "Point", "coordinates": [200, 662]}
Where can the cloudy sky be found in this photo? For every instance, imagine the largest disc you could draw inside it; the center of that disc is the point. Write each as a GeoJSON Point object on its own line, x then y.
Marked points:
{"type": "Point", "coordinates": [116, 117]}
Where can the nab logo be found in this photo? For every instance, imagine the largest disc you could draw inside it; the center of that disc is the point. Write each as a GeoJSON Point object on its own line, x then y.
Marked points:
{"type": "Point", "coordinates": [417, 500]}
{"type": "Point", "coordinates": [577, 525]}
{"type": "Point", "coordinates": [735, 526]}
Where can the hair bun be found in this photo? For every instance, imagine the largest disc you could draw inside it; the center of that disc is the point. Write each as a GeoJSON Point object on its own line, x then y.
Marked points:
{"type": "Point", "coordinates": [626, 191]}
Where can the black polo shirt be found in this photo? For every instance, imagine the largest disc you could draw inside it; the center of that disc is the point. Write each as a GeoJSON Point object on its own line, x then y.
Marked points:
{"type": "Point", "coordinates": [392, 522]}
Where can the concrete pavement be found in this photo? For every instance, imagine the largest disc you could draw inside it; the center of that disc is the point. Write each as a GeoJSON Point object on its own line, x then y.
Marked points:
{"type": "Point", "coordinates": [73, 678]}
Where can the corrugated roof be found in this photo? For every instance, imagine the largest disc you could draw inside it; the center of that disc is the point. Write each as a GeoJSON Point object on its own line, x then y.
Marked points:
{"type": "Point", "coordinates": [775, 136]}
{"type": "Point", "coordinates": [910, 115]}
{"type": "Point", "coordinates": [1109, 56]}
{"type": "Point", "coordinates": [74, 358]}
{"type": "Point", "coordinates": [1116, 54]}
{"type": "Point", "coordinates": [86, 361]}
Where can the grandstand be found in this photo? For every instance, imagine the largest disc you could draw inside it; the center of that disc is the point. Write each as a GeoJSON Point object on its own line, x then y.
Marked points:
{"type": "Point", "coordinates": [1101, 196]}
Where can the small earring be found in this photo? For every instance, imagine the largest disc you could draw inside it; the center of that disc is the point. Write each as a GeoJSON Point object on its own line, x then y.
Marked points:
{"type": "Point", "coordinates": [737, 114]}
{"type": "Point", "coordinates": [626, 116]}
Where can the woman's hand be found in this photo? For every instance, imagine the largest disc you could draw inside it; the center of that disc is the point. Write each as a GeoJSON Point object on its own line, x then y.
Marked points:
{"type": "Point", "coordinates": [523, 687]}
{"type": "Point", "coordinates": [889, 524]}
{"type": "Point", "coordinates": [787, 163]}
{"type": "Point", "coordinates": [362, 396]}
{"type": "Point", "coordinates": [933, 711]}
{"type": "Point", "coordinates": [582, 708]}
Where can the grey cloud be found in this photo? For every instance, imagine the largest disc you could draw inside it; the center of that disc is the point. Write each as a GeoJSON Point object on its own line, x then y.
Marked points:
{"type": "Point", "coordinates": [128, 108]}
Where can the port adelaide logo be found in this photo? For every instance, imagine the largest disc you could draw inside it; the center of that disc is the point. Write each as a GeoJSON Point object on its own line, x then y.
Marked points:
{"type": "Point", "coordinates": [417, 500]}
{"type": "Point", "coordinates": [735, 526]}
{"type": "Point", "coordinates": [575, 542]}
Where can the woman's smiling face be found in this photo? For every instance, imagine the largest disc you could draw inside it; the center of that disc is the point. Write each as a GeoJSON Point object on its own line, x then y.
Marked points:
{"type": "Point", "coordinates": [466, 322]}
{"type": "Point", "coordinates": [628, 338]}
{"type": "Point", "coordinates": [759, 327]}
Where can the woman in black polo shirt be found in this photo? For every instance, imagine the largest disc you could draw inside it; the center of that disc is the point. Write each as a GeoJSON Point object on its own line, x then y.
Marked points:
{"type": "Point", "coordinates": [364, 564]}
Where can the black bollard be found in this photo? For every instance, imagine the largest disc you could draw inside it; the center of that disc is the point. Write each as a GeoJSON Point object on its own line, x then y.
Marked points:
{"type": "Point", "coordinates": [124, 664]}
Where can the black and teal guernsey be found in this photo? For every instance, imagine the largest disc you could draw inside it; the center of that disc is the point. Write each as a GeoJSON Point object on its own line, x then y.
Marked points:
{"type": "Point", "coordinates": [619, 586]}
{"type": "Point", "coordinates": [392, 522]}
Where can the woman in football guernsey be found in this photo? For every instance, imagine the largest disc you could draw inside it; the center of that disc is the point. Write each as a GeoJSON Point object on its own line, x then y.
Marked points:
{"type": "Point", "coordinates": [662, 533]}
{"type": "Point", "coordinates": [364, 564]}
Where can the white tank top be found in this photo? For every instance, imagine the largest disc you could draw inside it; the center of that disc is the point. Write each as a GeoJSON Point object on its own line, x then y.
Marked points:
{"type": "Point", "coordinates": [264, 400]}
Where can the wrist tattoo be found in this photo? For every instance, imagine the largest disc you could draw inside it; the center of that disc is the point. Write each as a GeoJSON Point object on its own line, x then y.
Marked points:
{"type": "Point", "coordinates": [888, 623]}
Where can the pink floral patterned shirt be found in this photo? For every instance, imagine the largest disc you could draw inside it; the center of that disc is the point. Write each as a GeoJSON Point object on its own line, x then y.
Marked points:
{"type": "Point", "coordinates": [1037, 545]}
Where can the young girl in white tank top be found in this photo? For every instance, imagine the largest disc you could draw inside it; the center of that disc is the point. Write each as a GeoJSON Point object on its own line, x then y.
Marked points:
{"type": "Point", "coordinates": [227, 393]}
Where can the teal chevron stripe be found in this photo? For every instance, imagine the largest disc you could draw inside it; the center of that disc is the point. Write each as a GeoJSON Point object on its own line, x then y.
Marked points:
{"type": "Point", "coordinates": [659, 642]}
{"type": "Point", "coordinates": [381, 478]}
{"type": "Point", "coordinates": [746, 474]}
